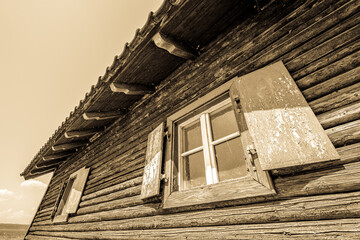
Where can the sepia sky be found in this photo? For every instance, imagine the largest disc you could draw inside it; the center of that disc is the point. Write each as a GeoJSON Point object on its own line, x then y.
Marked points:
{"type": "Point", "coordinates": [51, 52]}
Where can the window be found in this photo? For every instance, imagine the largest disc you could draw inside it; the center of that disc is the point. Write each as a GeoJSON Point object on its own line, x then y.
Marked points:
{"type": "Point", "coordinates": [223, 145]}
{"type": "Point", "coordinates": [209, 147]}
{"type": "Point", "coordinates": [70, 195]}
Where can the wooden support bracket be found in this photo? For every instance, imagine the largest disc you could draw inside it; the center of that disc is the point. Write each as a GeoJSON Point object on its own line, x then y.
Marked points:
{"type": "Point", "coordinates": [68, 146]}
{"type": "Point", "coordinates": [43, 169]}
{"type": "Point", "coordinates": [132, 89]}
{"type": "Point", "coordinates": [81, 133]}
{"type": "Point", "coordinates": [50, 162]}
{"type": "Point", "coordinates": [102, 115]}
{"type": "Point", "coordinates": [172, 47]}
{"type": "Point", "coordinates": [57, 156]}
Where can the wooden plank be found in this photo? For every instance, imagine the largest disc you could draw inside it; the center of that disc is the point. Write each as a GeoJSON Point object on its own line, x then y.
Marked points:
{"type": "Point", "coordinates": [173, 47]}
{"type": "Point", "coordinates": [128, 192]}
{"type": "Point", "coordinates": [68, 146]}
{"type": "Point", "coordinates": [116, 188]}
{"type": "Point", "coordinates": [333, 84]}
{"type": "Point", "coordinates": [345, 134]}
{"type": "Point", "coordinates": [329, 71]}
{"type": "Point", "coordinates": [81, 133]}
{"type": "Point", "coordinates": [336, 99]}
{"type": "Point", "coordinates": [153, 163]}
{"type": "Point", "coordinates": [131, 88]}
{"type": "Point", "coordinates": [102, 115]}
{"type": "Point", "coordinates": [285, 131]}
{"type": "Point", "coordinates": [340, 115]}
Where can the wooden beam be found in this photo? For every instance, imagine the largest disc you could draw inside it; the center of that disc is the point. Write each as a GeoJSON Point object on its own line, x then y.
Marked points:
{"type": "Point", "coordinates": [34, 175]}
{"type": "Point", "coordinates": [132, 89]}
{"type": "Point", "coordinates": [50, 162]}
{"type": "Point", "coordinates": [56, 156]}
{"type": "Point", "coordinates": [43, 169]}
{"type": "Point", "coordinates": [172, 47]}
{"type": "Point", "coordinates": [81, 133]}
{"type": "Point", "coordinates": [68, 146]}
{"type": "Point", "coordinates": [102, 115]}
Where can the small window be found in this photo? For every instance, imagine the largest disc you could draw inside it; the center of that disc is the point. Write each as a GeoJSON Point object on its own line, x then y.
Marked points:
{"type": "Point", "coordinates": [70, 196]}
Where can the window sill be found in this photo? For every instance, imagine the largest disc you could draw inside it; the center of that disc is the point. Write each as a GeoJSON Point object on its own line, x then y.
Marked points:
{"type": "Point", "coordinates": [224, 191]}
{"type": "Point", "coordinates": [60, 218]}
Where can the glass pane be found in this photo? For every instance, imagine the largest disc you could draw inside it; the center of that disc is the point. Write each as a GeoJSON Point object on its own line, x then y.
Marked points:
{"type": "Point", "coordinates": [191, 136]}
{"type": "Point", "coordinates": [230, 159]}
{"type": "Point", "coordinates": [194, 170]}
{"type": "Point", "coordinates": [223, 122]}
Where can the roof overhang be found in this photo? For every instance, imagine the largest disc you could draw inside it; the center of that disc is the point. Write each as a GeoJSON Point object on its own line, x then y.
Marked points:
{"type": "Point", "coordinates": [177, 32]}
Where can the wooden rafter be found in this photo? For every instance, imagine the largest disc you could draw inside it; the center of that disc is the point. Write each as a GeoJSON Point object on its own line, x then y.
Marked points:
{"type": "Point", "coordinates": [81, 133]}
{"type": "Point", "coordinates": [102, 115]}
{"type": "Point", "coordinates": [68, 146]}
{"type": "Point", "coordinates": [132, 89]}
{"type": "Point", "coordinates": [57, 156]}
{"type": "Point", "coordinates": [43, 169]}
{"type": "Point", "coordinates": [172, 47]}
{"type": "Point", "coordinates": [50, 162]}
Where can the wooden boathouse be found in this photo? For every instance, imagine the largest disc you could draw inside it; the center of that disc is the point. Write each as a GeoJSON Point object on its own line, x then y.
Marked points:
{"type": "Point", "coordinates": [219, 120]}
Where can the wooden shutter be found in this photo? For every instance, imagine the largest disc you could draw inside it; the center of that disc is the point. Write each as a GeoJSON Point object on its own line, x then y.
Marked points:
{"type": "Point", "coordinates": [284, 130]}
{"type": "Point", "coordinates": [153, 160]}
{"type": "Point", "coordinates": [74, 198]}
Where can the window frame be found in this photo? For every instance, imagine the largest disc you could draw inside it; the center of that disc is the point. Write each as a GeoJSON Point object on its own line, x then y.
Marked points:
{"type": "Point", "coordinates": [238, 188]}
{"type": "Point", "coordinates": [208, 145]}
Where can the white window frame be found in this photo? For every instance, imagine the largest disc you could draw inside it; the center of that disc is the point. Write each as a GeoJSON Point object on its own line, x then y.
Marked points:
{"type": "Point", "coordinates": [238, 188]}
{"type": "Point", "coordinates": [208, 145]}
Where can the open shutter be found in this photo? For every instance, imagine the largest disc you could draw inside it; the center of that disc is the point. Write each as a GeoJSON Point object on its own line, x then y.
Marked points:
{"type": "Point", "coordinates": [76, 191]}
{"type": "Point", "coordinates": [276, 117]}
{"type": "Point", "coordinates": [152, 171]}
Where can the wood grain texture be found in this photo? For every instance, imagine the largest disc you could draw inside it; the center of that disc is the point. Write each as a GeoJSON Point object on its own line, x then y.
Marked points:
{"type": "Point", "coordinates": [284, 129]}
{"type": "Point", "coordinates": [340, 115]}
{"type": "Point", "coordinates": [153, 162]}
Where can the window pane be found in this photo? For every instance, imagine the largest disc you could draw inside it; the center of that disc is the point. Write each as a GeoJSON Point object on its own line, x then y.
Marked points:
{"type": "Point", "coordinates": [230, 159]}
{"type": "Point", "coordinates": [191, 136]}
{"type": "Point", "coordinates": [223, 123]}
{"type": "Point", "coordinates": [194, 170]}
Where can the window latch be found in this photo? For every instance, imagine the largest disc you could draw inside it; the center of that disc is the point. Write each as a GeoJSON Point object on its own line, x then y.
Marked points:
{"type": "Point", "coordinates": [163, 177]}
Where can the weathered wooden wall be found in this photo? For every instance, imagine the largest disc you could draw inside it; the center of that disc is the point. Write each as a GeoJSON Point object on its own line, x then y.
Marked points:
{"type": "Point", "coordinates": [319, 42]}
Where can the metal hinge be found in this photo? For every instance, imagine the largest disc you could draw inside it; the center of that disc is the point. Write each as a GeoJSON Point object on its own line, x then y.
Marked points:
{"type": "Point", "coordinates": [251, 150]}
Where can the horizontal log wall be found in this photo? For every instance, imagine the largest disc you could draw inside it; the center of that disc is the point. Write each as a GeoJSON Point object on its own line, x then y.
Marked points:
{"type": "Point", "coordinates": [319, 42]}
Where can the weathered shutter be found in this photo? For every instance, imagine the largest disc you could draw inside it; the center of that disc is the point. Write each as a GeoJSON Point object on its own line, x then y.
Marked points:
{"type": "Point", "coordinates": [74, 198]}
{"type": "Point", "coordinates": [284, 130]}
{"type": "Point", "coordinates": [152, 171]}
